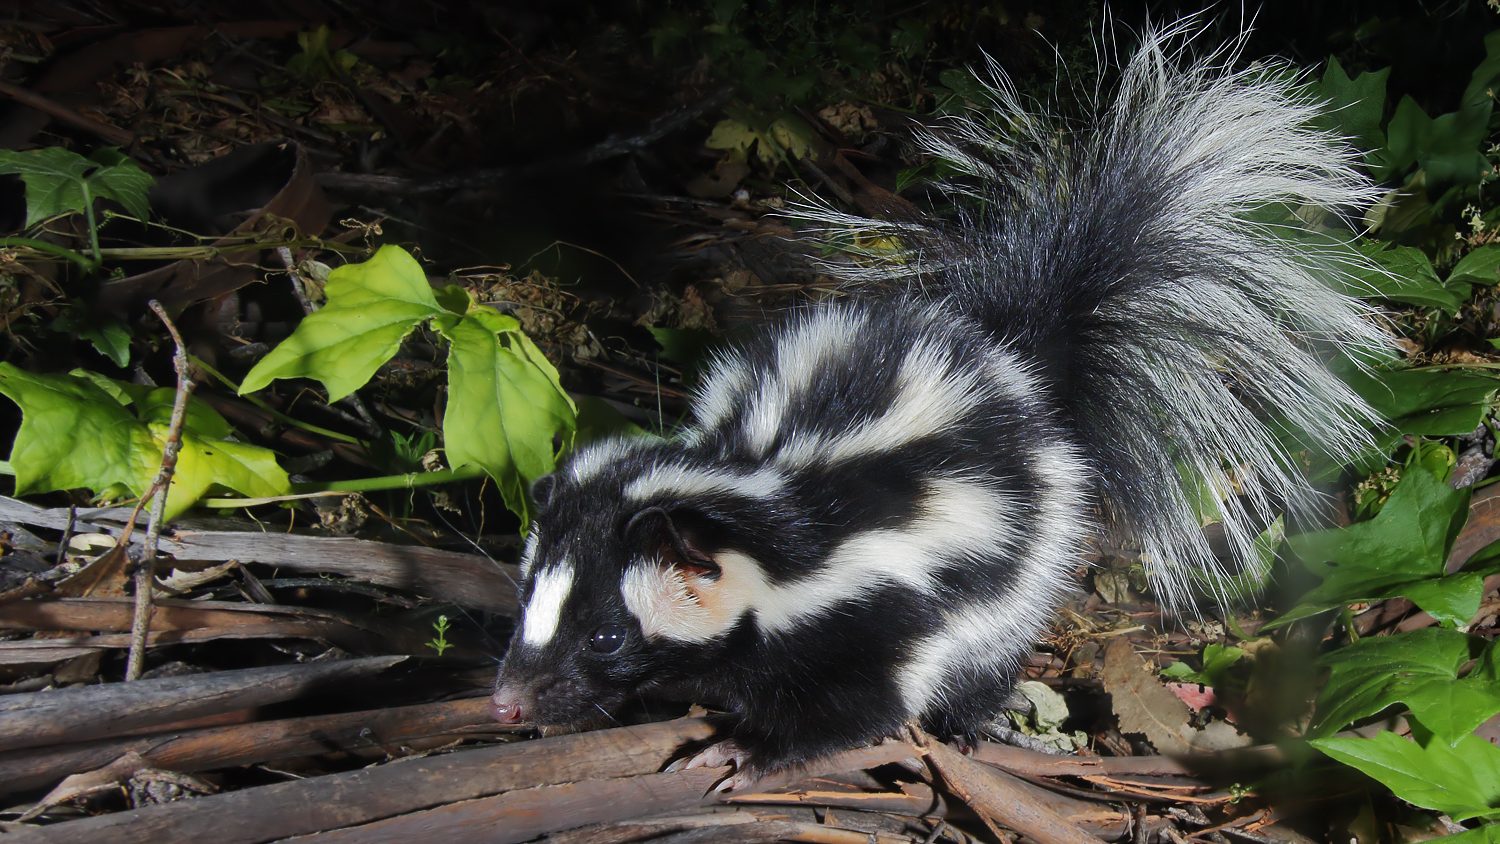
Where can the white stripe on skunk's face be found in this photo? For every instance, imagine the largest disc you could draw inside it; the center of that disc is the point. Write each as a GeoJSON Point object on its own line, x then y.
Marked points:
{"type": "Point", "coordinates": [543, 612]}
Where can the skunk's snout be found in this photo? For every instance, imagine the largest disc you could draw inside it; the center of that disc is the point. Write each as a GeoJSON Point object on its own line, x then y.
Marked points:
{"type": "Point", "coordinates": [507, 706]}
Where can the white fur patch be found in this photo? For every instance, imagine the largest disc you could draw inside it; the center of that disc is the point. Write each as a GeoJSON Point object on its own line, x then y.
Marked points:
{"type": "Point", "coordinates": [930, 395]}
{"type": "Point", "coordinates": [675, 480]}
{"type": "Point", "coordinates": [692, 608]}
{"type": "Point", "coordinates": [722, 389]}
{"type": "Point", "coordinates": [544, 608]}
{"type": "Point", "coordinates": [588, 462]}
{"type": "Point", "coordinates": [814, 343]}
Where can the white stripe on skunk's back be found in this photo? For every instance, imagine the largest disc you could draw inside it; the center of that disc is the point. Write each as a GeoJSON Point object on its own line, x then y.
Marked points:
{"type": "Point", "coordinates": [990, 638]}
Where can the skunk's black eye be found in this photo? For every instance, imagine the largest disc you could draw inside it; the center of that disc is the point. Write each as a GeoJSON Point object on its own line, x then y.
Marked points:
{"type": "Point", "coordinates": [607, 639]}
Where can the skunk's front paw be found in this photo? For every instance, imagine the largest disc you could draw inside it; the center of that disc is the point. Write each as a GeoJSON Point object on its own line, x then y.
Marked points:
{"type": "Point", "coordinates": [717, 755]}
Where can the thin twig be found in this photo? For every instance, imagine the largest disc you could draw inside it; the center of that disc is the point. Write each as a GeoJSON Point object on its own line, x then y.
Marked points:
{"type": "Point", "coordinates": [299, 287]}
{"type": "Point", "coordinates": [52, 108]}
{"type": "Point", "coordinates": [62, 545]}
{"type": "Point", "coordinates": [145, 573]}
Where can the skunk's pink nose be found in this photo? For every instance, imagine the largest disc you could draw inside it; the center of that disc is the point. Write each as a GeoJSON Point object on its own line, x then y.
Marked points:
{"type": "Point", "coordinates": [505, 707]}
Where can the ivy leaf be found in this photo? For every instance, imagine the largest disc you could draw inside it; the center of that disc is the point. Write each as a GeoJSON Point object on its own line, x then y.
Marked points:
{"type": "Point", "coordinates": [111, 339]}
{"type": "Point", "coordinates": [1407, 542]}
{"type": "Point", "coordinates": [205, 465]}
{"type": "Point", "coordinates": [1356, 105]}
{"type": "Point", "coordinates": [60, 181]}
{"type": "Point", "coordinates": [1408, 277]}
{"type": "Point", "coordinates": [1487, 834]}
{"type": "Point", "coordinates": [505, 406]}
{"type": "Point", "coordinates": [1452, 599]}
{"type": "Point", "coordinates": [1217, 662]}
{"type": "Point", "coordinates": [371, 308]}
{"type": "Point", "coordinates": [1461, 780]}
{"type": "Point", "coordinates": [1419, 669]}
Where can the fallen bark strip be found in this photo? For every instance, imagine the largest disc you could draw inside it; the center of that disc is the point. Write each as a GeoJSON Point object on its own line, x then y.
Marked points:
{"type": "Point", "coordinates": [998, 796]}
{"type": "Point", "coordinates": [728, 825]}
{"type": "Point", "coordinates": [59, 716]}
{"type": "Point", "coordinates": [1030, 763]}
{"type": "Point", "coordinates": [526, 813]}
{"type": "Point", "coordinates": [301, 807]}
{"type": "Point", "coordinates": [249, 744]}
{"type": "Point", "coordinates": [918, 800]}
{"type": "Point", "coordinates": [175, 620]}
{"type": "Point", "coordinates": [521, 815]}
{"type": "Point", "coordinates": [467, 579]}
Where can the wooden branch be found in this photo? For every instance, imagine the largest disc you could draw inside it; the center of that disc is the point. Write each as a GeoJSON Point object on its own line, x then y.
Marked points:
{"type": "Point", "coordinates": [176, 621]}
{"type": "Point", "coordinates": [301, 807]}
{"type": "Point", "coordinates": [1030, 763]}
{"type": "Point", "coordinates": [467, 579]}
{"type": "Point", "coordinates": [250, 744]}
{"type": "Point", "coordinates": [51, 108]}
{"type": "Point", "coordinates": [526, 813]}
{"type": "Point", "coordinates": [82, 713]}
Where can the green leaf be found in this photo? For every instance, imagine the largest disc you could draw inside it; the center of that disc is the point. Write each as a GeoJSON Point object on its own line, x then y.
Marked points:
{"type": "Point", "coordinates": [505, 406]}
{"type": "Point", "coordinates": [84, 431]}
{"type": "Point", "coordinates": [1408, 277]}
{"type": "Point", "coordinates": [121, 179]}
{"type": "Point", "coordinates": [111, 339]}
{"type": "Point", "coordinates": [1428, 402]}
{"type": "Point", "coordinates": [1462, 780]}
{"type": "Point", "coordinates": [1481, 266]}
{"type": "Point", "coordinates": [205, 465]}
{"type": "Point", "coordinates": [1452, 599]}
{"type": "Point", "coordinates": [598, 419]}
{"type": "Point", "coordinates": [1487, 834]}
{"type": "Point", "coordinates": [1419, 669]}
{"type": "Point", "coordinates": [1355, 106]}
{"type": "Point", "coordinates": [1217, 661]}
{"type": "Point", "coordinates": [73, 435]}
{"type": "Point", "coordinates": [1407, 542]}
{"type": "Point", "coordinates": [1406, 135]}
{"type": "Point", "coordinates": [371, 308]}
{"type": "Point", "coordinates": [59, 181]}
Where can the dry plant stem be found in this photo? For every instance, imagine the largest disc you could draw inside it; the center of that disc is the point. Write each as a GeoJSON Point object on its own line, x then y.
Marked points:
{"type": "Point", "coordinates": [299, 287]}
{"type": "Point", "coordinates": [145, 573]}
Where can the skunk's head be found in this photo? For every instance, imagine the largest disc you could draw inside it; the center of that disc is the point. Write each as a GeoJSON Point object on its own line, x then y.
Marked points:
{"type": "Point", "coordinates": [638, 573]}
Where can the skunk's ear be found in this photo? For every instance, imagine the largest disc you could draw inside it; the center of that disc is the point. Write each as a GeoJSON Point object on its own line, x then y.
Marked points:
{"type": "Point", "coordinates": [679, 539]}
{"type": "Point", "coordinates": [541, 491]}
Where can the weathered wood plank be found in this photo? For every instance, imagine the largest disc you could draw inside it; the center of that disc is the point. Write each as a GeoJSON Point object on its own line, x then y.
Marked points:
{"type": "Point", "coordinates": [248, 744]}
{"type": "Point", "coordinates": [301, 807]}
{"type": "Point", "coordinates": [84, 713]}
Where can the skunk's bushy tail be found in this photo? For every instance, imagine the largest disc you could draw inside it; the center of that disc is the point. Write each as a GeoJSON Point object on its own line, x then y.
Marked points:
{"type": "Point", "coordinates": [1184, 336]}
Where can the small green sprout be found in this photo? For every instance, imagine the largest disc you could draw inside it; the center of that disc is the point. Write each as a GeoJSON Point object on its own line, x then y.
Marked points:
{"type": "Point", "coordinates": [440, 642]}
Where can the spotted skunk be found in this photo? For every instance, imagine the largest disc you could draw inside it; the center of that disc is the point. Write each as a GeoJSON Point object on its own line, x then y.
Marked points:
{"type": "Point", "coordinates": [880, 500]}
